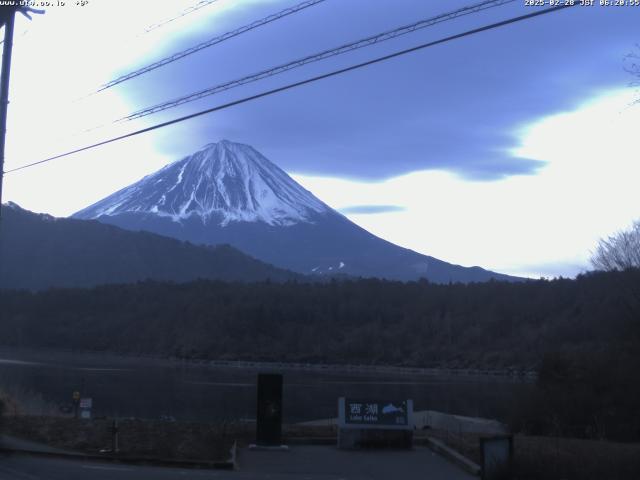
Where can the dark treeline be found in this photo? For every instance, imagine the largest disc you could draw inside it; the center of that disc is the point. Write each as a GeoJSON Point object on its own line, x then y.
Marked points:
{"type": "Point", "coordinates": [489, 324]}
{"type": "Point", "coordinates": [582, 334]}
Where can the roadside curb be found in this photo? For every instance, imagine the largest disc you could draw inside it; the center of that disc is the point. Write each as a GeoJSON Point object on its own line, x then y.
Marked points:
{"type": "Point", "coordinates": [194, 464]}
{"type": "Point", "coordinates": [452, 455]}
{"type": "Point", "coordinates": [232, 463]}
{"type": "Point", "coordinates": [312, 441]}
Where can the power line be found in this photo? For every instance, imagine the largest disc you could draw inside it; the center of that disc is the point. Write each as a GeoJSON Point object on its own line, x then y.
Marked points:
{"type": "Point", "coordinates": [300, 83]}
{"type": "Point", "coordinates": [24, 33]}
{"type": "Point", "coordinates": [381, 37]}
{"type": "Point", "coordinates": [186, 11]}
{"type": "Point", "coordinates": [388, 35]}
{"type": "Point", "coordinates": [212, 41]}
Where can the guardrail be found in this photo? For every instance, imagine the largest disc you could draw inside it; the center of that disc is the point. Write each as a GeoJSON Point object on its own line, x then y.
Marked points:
{"type": "Point", "coordinates": [526, 375]}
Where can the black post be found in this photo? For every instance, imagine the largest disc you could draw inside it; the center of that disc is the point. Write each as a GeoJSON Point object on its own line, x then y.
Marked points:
{"type": "Point", "coordinates": [4, 89]}
{"type": "Point", "coordinates": [114, 439]}
{"type": "Point", "coordinates": [269, 418]}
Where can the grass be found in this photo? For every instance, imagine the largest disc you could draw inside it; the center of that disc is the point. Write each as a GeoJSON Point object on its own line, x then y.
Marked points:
{"type": "Point", "coordinates": [19, 401]}
{"type": "Point", "coordinates": [572, 458]}
{"type": "Point", "coordinates": [147, 438]}
{"type": "Point", "coordinates": [137, 438]}
{"type": "Point", "coordinates": [557, 458]}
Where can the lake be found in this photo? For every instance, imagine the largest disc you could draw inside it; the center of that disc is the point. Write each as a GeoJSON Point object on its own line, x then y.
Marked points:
{"type": "Point", "coordinates": [150, 388]}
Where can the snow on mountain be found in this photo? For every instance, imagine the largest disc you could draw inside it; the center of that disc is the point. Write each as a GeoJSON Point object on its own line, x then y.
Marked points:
{"type": "Point", "coordinates": [223, 182]}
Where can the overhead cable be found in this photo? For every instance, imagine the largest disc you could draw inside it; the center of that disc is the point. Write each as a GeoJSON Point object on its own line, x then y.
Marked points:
{"type": "Point", "coordinates": [209, 43]}
{"type": "Point", "coordinates": [298, 84]}
{"type": "Point", "coordinates": [365, 42]}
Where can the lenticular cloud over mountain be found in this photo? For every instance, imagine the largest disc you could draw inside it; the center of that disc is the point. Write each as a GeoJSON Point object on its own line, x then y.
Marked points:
{"type": "Point", "coordinates": [229, 193]}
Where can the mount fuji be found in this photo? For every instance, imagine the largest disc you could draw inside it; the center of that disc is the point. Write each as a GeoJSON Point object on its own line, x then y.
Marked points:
{"type": "Point", "coordinates": [229, 193]}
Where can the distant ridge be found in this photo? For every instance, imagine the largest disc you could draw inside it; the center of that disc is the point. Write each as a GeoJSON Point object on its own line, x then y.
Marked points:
{"type": "Point", "coordinates": [39, 251]}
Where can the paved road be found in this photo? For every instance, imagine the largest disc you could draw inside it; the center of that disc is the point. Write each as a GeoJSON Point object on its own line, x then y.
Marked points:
{"type": "Point", "coordinates": [9, 441]}
{"type": "Point", "coordinates": [22, 467]}
{"type": "Point", "coordinates": [329, 463]}
{"type": "Point", "coordinates": [300, 463]}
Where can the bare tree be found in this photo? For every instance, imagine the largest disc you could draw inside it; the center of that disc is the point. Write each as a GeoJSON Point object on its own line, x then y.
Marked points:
{"type": "Point", "coordinates": [620, 251]}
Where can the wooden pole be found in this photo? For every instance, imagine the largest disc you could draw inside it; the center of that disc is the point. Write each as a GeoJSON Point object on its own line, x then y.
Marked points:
{"type": "Point", "coordinates": [4, 90]}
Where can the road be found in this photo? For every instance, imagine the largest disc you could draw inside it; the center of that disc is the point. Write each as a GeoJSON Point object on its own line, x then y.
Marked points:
{"type": "Point", "coordinates": [300, 463]}
{"type": "Point", "coordinates": [329, 463]}
{"type": "Point", "coordinates": [22, 467]}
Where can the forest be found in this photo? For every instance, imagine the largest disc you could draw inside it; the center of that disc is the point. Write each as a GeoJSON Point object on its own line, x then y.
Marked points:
{"type": "Point", "coordinates": [581, 335]}
{"type": "Point", "coordinates": [492, 324]}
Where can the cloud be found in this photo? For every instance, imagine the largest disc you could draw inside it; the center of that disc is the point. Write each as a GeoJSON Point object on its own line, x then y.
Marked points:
{"type": "Point", "coordinates": [456, 107]}
{"type": "Point", "coordinates": [559, 268]}
{"type": "Point", "coordinates": [486, 142]}
{"type": "Point", "coordinates": [539, 225]}
{"type": "Point", "coordinates": [370, 209]}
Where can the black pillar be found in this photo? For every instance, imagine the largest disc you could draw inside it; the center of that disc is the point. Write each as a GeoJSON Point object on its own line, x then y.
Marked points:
{"type": "Point", "coordinates": [269, 415]}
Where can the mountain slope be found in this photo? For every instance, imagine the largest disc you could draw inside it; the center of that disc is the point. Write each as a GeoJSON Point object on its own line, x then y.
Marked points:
{"type": "Point", "coordinates": [230, 193]}
{"type": "Point", "coordinates": [39, 251]}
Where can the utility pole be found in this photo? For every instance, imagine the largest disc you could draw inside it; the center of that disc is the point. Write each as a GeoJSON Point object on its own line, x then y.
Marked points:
{"type": "Point", "coordinates": [7, 49]}
{"type": "Point", "coordinates": [7, 19]}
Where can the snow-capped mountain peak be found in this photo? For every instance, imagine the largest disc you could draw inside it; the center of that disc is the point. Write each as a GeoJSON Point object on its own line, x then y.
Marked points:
{"type": "Point", "coordinates": [228, 193]}
{"type": "Point", "coordinates": [223, 182]}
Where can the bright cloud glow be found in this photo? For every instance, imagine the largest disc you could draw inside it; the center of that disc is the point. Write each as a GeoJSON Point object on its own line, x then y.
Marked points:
{"type": "Point", "coordinates": [541, 225]}
{"type": "Point", "coordinates": [62, 57]}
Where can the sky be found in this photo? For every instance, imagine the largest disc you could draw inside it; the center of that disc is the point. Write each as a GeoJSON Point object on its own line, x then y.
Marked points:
{"type": "Point", "coordinates": [514, 149]}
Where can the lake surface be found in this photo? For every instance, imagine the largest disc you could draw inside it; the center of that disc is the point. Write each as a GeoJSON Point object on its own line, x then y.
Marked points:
{"type": "Point", "coordinates": [147, 388]}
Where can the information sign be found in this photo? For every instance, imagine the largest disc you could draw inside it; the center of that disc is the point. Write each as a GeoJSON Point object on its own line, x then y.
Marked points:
{"type": "Point", "coordinates": [366, 412]}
